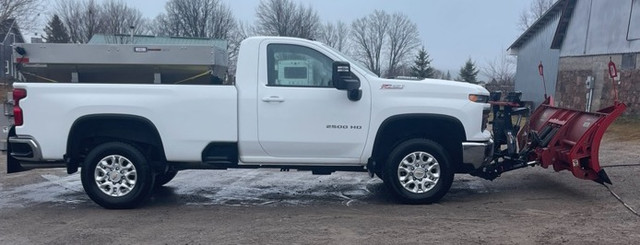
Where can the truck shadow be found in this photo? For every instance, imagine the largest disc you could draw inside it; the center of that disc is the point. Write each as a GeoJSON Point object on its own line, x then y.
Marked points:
{"type": "Point", "coordinates": [275, 195]}
{"type": "Point", "coordinates": [349, 190]}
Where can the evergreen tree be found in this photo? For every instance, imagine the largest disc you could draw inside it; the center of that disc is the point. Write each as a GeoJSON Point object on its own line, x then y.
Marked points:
{"type": "Point", "coordinates": [56, 32]}
{"type": "Point", "coordinates": [448, 76]}
{"type": "Point", "coordinates": [422, 67]}
{"type": "Point", "coordinates": [469, 72]}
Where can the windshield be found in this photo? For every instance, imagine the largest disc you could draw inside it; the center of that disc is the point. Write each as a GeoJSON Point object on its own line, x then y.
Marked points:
{"type": "Point", "coordinates": [350, 60]}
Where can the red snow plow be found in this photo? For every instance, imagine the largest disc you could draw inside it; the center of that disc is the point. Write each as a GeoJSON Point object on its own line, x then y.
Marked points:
{"type": "Point", "coordinates": [563, 138]}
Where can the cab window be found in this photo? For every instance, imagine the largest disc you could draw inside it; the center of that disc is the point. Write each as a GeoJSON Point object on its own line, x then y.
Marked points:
{"type": "Point", "coordinates": [297, 66]}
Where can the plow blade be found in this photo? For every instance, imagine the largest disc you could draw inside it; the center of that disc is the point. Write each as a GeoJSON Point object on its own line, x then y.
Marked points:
{"type": "Point", "coordinates": [568, 139]}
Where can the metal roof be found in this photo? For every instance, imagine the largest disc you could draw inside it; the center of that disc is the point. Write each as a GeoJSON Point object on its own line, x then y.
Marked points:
{"type": "Point", "coordinates": [144, 39]}
{"type": "Point", "coordinates": [563, 24]}
{"type": "Point", "coordinates": [564, 6]}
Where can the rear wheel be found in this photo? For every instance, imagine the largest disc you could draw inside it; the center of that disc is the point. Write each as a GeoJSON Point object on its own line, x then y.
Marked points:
{"type": "Point", "coordinates": [418, 171]}
{"type": "Point", "coordinates": [116, 175]}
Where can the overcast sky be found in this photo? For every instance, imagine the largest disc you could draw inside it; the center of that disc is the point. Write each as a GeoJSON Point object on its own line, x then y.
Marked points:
{"type": "Point", "coordinates": [451, 30]}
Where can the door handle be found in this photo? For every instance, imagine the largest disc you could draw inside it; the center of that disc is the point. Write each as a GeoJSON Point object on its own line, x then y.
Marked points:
{"type": "Point", "coordinates": [273, 98]}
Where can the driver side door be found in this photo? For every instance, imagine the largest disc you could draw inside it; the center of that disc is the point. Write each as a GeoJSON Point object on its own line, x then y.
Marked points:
{"type": "Point", "coordinates": [302, 117]}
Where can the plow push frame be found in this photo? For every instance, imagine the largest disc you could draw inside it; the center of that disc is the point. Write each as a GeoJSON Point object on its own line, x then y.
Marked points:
{"type": "Point", "coordinates": [565, 139]}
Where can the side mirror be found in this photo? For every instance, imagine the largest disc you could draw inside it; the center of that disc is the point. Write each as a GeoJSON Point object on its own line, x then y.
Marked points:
{"type": "Point", "coordinates": [342, 80]}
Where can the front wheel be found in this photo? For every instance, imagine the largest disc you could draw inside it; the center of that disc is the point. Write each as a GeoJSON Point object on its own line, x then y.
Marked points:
{"type": "Point", "coordinates": [116, 175]}
{"type": "Point", "coordinates": [418, 171]}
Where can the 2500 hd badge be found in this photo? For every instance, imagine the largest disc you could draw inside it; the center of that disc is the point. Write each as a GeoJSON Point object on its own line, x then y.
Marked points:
{"type": "Point", "coordinates": [344, 126]}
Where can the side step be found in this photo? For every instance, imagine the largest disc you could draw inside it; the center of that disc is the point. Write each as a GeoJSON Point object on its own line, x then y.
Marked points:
{"type": "Point", "coordinates": [220, 155]}
{"type": "Point", "coordinates": [218, 160]}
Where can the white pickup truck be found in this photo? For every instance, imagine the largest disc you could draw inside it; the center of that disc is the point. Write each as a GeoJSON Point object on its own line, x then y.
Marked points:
{"type": "Point", "coordinates": [296, 104]}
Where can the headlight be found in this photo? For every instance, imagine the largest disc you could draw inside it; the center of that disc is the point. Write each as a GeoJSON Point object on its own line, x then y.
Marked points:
{"type": "Point", "coordinates": [478, 98]}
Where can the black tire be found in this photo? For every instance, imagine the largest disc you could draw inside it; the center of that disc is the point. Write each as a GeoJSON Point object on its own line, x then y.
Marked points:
{"type": "Point", "coordinates": [418, 179]}
{"type": "Point", "coordinates": [162, 179]}
{"type": "Point", "coordinates": [118, 158]}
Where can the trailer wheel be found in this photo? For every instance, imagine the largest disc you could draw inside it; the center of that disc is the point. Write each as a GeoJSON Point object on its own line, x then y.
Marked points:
{"type": "Point", "coordinates": [162, 179]}
{"type": "Point", "coordinates": [418, 171]}
{"type": "Point", "coordinates": [117, 176]}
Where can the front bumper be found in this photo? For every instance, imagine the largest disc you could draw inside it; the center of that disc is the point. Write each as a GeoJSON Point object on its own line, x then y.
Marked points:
{"type": "Point", "coordinates": [477, 154]}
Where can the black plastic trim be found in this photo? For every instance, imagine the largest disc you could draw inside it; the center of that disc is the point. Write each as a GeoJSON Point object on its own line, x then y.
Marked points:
{"type": "Point", "coordinates": [73, 134]}
{"type": "Point", "coordinates": [221, 153]}
{"type": "Point", "coordinates": [413, 116]}
{"type": "Point", "coordinates": [13, 165]}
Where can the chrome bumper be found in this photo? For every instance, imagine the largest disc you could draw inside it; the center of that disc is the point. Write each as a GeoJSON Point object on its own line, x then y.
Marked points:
{"type": "Point", "coordinates": [25, 148]}
{"type": "Point", "coordinates": [478, 154]}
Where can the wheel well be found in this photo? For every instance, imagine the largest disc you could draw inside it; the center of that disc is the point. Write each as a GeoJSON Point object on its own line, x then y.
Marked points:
{"type": "Point", "coordinates": [444, 130]}
{"type": "Point", "coordinates": [90, 131]}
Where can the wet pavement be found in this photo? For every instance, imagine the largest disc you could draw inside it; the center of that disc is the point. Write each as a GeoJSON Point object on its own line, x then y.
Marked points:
{"type": "Point", "coordinates": [266, 206]}
{"type": "Point", "coordinates": [235, 187]}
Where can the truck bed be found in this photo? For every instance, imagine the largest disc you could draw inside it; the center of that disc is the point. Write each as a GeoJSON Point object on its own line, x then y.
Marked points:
{"type": "Point", "coordinates": [187, 117]}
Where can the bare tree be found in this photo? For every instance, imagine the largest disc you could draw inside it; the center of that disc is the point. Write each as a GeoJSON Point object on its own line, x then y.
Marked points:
{"type": "Point", "coordinates": [242, 31]}
{"type": "Point", "coordinates": [163, 25]}
{"type": "Point", "coordinates": [26, 12]}
{"type": "Point", "coordinates": [118, 18]}
{"type": "Point", "coordinates": [404, 38]}
{"type": "Point", "coordinates": [222, 22]}
{"type": "Point", "coordinates": [533, 13]}
{"type": "Point", "coordinates": [195, 18]}
{"type": "Point", "coordinates": [335, 35]}
{"type": "Point", "coordinates": [275, 17]}
{"type": "Point", "coordinates": [368, 37]}
{"type": "Point", "coordinates": [307, 23]}
{"type": "Point", "coordinates": [82, 18]}
{"type": "Point", "coordinates": [70, 16]}
{"type": "Point", "coordinates": [501, 69]}
{"type": "Point", "coordinates": [285, 18]}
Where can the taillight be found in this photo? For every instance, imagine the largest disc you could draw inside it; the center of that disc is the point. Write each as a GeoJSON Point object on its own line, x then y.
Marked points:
{"type": "Point", "coordinates": [18, 94]}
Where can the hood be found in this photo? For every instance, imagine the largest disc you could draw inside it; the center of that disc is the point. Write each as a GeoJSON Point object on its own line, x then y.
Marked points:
{"type": "Point", "coordinates": [432, 87]}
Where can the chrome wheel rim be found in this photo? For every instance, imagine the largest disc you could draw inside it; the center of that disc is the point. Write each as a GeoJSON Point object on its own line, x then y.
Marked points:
{"type": "Point", "coordinates": [418, 172]}
{"type": "Point", "coordinates": [115, 175]}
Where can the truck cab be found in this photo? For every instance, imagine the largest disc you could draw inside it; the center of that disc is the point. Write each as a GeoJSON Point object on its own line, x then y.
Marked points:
{"type": "Point", "coordinates": [307, 121]}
